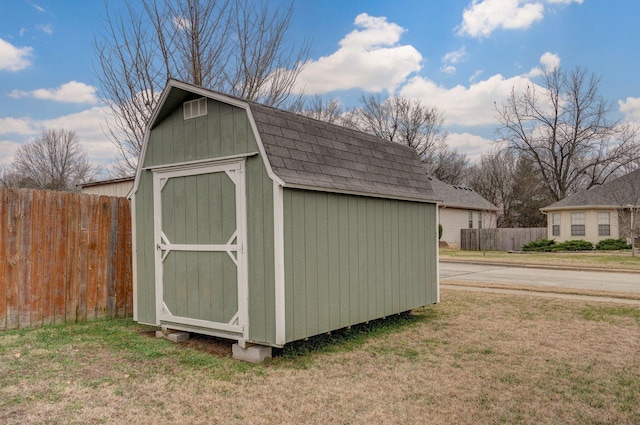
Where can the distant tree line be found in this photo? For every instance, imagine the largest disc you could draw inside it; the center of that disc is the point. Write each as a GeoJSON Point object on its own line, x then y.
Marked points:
{"type": "Point", "coordinates": [554, 138]}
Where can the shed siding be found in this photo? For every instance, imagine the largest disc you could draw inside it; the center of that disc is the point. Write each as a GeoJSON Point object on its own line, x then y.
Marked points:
{"type": "Point", "coordinates": [145, 273]}
{"type": "Point", "coordinates": [224, 131]}
{"type": "Point", "coordinates": [350, 259]}
{"type": "Point", "coordinates": [260, 252]}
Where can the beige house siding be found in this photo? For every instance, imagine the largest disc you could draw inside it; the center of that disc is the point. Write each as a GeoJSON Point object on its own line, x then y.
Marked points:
{"type": "Point", "coordinates": [117, 188]}
{"type": "Point", "coordinates": [590, 222]}
{"type": "Point", "coordinates": [455, 219]}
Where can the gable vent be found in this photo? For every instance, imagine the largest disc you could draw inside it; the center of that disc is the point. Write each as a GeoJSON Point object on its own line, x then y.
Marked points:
{"type": "Point", "coordinates": [195, 108]}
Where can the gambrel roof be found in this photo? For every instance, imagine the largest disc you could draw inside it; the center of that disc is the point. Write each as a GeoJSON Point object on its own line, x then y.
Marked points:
{"type": "Point", "coordinates": [457, 196]}
{"type": "Point", "coordinates": [620, 192]}
{"type": "Point", "coordinates": [306, 153]}
{"type": "Point", "coordinates": [313, 154]}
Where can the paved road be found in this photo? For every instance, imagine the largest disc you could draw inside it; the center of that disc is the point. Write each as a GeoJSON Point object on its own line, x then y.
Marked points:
{"type": "Point", "coordinates": [607, 281]}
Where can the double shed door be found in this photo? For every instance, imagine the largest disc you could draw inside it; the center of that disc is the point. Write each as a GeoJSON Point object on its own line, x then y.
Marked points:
{"type": "Point", "coordinates": [200, 258]}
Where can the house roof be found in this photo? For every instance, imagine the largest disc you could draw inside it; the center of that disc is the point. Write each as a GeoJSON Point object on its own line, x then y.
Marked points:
{"type": "Point", "coordinates": [622, 191]}
{"type": "Point", "coordinates": [456, 196]}
{"type": "Point", "coordinates": [306, 153]}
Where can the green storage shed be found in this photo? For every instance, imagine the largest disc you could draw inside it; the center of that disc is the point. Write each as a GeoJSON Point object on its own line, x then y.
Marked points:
{"type": "Point", "coordinates": [265, 227]}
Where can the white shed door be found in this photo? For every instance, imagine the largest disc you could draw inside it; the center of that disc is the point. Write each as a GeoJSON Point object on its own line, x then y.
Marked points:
{"type": "Point", "coordinates": [200, 256]}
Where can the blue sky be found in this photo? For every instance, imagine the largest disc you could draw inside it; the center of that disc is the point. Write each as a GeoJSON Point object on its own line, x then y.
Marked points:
{"type": "Point", "coordinates": [458, 55]}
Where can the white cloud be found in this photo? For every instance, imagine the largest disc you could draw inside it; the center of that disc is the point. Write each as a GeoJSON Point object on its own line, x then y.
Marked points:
{"type": "Point", "coordinates": [47, 29]}
{"type": "Point", "coordinates": [14, 58]}
{"type": "Point", "coordinates": [38, 8]}
{"type": "Point", "coordinates": [8, 148]}
{"type": "Point", "coordinates": [448, 69]}
{"type": "Point", "coordinates": [630, 107]}
{"type": "Point", "coordinates": [548, 61]}
{"type": "Point", "coordinates": [470, 144]}
{"type": "Point", "coordinates": [484, 16]}
{"type": "Point", "coordinates": [10, 125]}
{"type": "Point", "coordinates": [181, 23]}
{"type": "Point", "coordinates": [369, 58]}
{"type": "Point", "coordinates": [71, 92]}
{"type": "Point", "coordinates": [456, 56]}
{"type": "Point", "coordinates": [87, 124]}
{"type": "Point", "coordinates": [475, 75]}
{"type": "Point", "coordinates": [466, 106]}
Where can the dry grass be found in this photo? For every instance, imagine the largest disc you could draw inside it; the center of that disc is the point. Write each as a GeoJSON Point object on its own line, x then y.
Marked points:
{"type": "Point", "coordinates": [598, 259]}
{"type": "Point", "coordinates": [475, 358]}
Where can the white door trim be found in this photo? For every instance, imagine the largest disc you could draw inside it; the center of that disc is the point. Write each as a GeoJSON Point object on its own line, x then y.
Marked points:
{"type": "Point", "coordinates": [237, 244]}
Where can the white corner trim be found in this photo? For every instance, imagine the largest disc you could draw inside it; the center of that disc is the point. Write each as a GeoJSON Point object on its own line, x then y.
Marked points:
{"type": "Point", "coordinates": [134, 255]}
{"type": "Point", "coordinates": [437, 214]}
{"type": "Point", "coordinates": [278, 243]}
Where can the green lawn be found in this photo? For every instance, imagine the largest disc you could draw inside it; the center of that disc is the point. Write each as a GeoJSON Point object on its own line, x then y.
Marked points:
{"type": "Point", "coordinates": [602, 259]}
{"type": "Point", "coordinates": [475, 358]}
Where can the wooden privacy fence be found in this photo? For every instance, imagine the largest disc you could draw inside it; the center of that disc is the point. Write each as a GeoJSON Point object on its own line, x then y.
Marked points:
{"type": "Point", "coordinates": [499, 239]}
{"type": "Point", "coordinates": [66, 257]}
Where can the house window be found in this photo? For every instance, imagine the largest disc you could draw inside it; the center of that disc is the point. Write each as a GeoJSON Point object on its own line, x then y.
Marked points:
{"type": "Point", "coordinates": [195, 108]}
{"type": "Point", "coordinates": [604, 224]}
{"type": "Point", "coordinates": [479, 219]}
{"type": "Point", "coordinates": [470, 219]}
{"type": "Point", "coordinates": [577, 224]}
{"type": "Point", "coordinates": [555, 224]}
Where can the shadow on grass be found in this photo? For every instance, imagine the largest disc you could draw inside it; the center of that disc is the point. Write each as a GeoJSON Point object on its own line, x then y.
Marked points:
{"type": "Point", "coordinates": [348, 339]}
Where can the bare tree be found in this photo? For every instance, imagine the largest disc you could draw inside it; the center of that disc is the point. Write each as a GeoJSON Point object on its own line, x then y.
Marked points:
{"type": "Point", "coordinates": [53, 161]}
{"type": "Point", "coordinates": [404, 121]}
{"type": "Point", "coordinates": [563, 127]}
{"type": "Point", "coordinates": [411, 123]}
{"type": "Point", "coordinates": [235, 47]}
{"type": "Point", "coordinates": [512, 184]}
{"type": "Point", "coordinates": [492, 177]}
{"type": "Point", "coordinates": [327, 110]}
{"type": "Point", "coordinates": [447, 165]}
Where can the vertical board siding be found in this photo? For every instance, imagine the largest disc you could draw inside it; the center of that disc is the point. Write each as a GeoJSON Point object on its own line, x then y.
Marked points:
{"type": "Point", "coordinates": [67, 257]}
{"type": "Point", "coordinates": [499, 239]}
{"type": "Point", "coordinates": [350, 259]}
{"type": "Point", "coordinates": [224, 131]}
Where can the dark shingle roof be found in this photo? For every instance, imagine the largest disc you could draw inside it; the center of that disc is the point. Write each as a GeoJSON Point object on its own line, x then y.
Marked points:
{"type": "Point", "coordinates": [457, 196]}
{"type": "Point", "coordinates": [308, 153]}
{"type": "Point", "coordinates": [622, 191]}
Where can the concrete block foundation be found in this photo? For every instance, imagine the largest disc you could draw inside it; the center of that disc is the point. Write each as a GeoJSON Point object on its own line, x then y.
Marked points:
{"type": "Point", "coordinates": [252, 353]}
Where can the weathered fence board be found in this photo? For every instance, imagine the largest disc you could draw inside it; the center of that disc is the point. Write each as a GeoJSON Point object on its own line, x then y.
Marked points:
{"type": "Point", "coordinates": [67, 257]}
{"type": "Point", "coordinates": [499, 239]}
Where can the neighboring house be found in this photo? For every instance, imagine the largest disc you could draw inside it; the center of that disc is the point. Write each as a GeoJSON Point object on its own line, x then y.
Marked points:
{"type": "Point", "coordinates": [601, 212]}
{"type": "Point", "coordinates": [461, 208]}
{"type": "Point", "coordinates": [263, 226]}
{"type": "Point", "coordinates": [113, 187]}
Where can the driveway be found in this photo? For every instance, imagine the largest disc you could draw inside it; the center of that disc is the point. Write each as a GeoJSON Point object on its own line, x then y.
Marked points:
{"type": "Point", "coordinates": [526, 276]}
